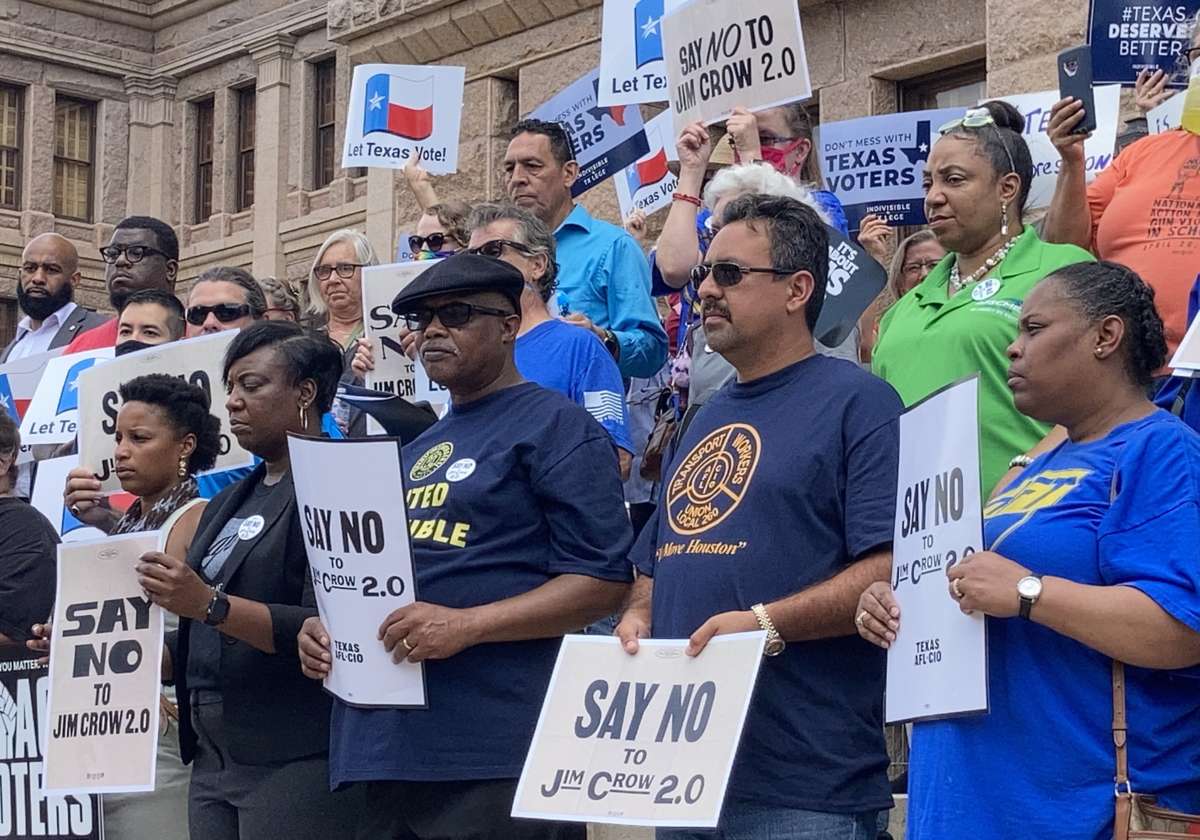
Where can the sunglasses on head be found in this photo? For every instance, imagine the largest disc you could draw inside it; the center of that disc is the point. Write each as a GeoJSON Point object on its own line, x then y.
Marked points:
{"type": "Point", "coordinates": [453, 315]}
{"type": "Point", "coordinates": [224, 312]}
{"type": "Point", "coordinates": [727, 274]}
{"type": "Point", "coordinates": [495, 248]}
{"type": "Point", "coordinates": [435, 241]}
{"type": "Point", "coordinates": [976, 118]}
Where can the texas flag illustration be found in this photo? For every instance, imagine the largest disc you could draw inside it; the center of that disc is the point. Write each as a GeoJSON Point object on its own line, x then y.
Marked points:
{"type": "Point", "coordinates": [650, 169]}
{"type": "Point", "coordinates": [8, 402]}
{"type": "Point", "coordinates": [399, 105]}
{"type": "Point", "coordinates": [647, 31]}
{"type": "Point", "coordinates": [68, 399]}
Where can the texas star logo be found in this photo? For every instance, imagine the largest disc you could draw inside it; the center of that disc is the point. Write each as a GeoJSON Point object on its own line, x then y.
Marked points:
{"type": "Point", "coordinates": [712, 479]}
{"type": "Point", "coordinates": [431, 461]}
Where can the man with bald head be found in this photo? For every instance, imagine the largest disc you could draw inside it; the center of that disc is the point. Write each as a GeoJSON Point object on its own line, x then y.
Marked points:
{"type": "Point", "coordinates": [49, 273]}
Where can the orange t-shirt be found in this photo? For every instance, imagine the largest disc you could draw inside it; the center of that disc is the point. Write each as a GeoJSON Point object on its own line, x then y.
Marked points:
{"type": "Point", "coordinates": [1146, 215]}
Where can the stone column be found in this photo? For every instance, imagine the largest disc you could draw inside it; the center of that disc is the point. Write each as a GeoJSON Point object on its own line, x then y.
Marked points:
{"type": "Point", "coordinates": [152, 158]}
{"type": "Point", "coordinates": [273, 54]}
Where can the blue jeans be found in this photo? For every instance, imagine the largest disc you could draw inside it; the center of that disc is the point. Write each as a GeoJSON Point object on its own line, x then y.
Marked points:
{"type": "Point", "coordinates": [743, 821]}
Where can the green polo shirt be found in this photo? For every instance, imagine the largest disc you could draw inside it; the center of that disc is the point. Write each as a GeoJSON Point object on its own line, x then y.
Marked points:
{"type": "Point", "coordinates": [927, 341]}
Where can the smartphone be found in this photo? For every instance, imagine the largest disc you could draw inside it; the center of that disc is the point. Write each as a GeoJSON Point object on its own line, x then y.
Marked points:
{"type": "Point", "coordinates": [1075, 80]}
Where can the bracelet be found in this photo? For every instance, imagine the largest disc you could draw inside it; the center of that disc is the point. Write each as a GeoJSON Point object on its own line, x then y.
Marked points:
{"type": "Point", "coordinates": [1021, 461]}
{"type": "Point", "coordinates": [690, 199]}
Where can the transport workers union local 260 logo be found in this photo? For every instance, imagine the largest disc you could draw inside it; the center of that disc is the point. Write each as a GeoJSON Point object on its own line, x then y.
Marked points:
{"type": "Point", "coordinates": [711, 481]}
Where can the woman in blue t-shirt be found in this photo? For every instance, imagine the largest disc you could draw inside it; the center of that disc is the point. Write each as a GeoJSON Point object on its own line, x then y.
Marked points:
{"type": "Point", "coordinates": [1092, 556]}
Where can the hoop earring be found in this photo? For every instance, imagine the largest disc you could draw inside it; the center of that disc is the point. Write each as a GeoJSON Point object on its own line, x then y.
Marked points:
{"type": "Point", "coordinates": [182, 466]}
{"type": "Point", "coordinates": [1004, 219]}
{"type": "Point", "coordinates": [303, 417]}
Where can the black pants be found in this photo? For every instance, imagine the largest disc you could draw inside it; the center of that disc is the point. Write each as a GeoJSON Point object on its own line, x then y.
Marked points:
{"type": "Point", "coordinates": [468, 810]}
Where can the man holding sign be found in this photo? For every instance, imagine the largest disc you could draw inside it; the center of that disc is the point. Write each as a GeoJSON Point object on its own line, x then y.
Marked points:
{"type": "Point", "coordinates": [777, 508]}
{"type": "Point", "coordinates": [519, 535]}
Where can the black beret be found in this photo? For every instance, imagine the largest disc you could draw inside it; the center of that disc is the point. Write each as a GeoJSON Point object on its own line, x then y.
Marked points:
{"type": "Point", "coordinates": [463, 272]}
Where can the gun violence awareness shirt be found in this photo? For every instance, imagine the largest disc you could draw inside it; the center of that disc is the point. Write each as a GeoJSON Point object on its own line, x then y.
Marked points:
{"type": "Point", "coordinates": [779, 484]}
{"type": "Point", "coordinates": [1049, 695]}
{"type": "Point", "coordinates": [504, 494]}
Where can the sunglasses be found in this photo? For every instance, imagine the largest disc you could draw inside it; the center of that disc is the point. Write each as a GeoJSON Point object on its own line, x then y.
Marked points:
{"type": "Point", "coordinates": [133, 253]}
{"type": "Point", "coordinates": [976, 118]}
{"type": "Point", "coordinates": [1183, 61]}
{"type": "Point", "coordinates": [495, 248]}
{"type": "Point", "coordinates": [452, 315]}
{"type": "Point", "coordinates": [224, 312]}
{"type": "Point", "coordinates": [344, 270]}
{"type": "Point", "coordinates": [435, 241]}
{"type": "Point", "coordinates": [727, 274]}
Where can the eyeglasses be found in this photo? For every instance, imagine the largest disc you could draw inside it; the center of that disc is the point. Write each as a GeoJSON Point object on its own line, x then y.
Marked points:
{"type": "Point", "coordinates": [225, 313]}
{"type": "Point", "coordinates": [976, 118]}
{"type": "Point", "coordinates": [344, 270]}
{"type": "Point", "coordinates": [917, 267]}
{"type": "Point", "coordinates": [47, 268]}
{"type": "Point", "coordinates": [495, 248]}
{"type": "Point", "coordinates": [730, 273]}
{"type": "Point", "coordinates": [451, 315]}
{"type": "Point", "coordinates": [435, 241]}
{"type": "Point", "coordinates": [133, 253]}
{"type": "Point", "coordinates": [1183, 61]}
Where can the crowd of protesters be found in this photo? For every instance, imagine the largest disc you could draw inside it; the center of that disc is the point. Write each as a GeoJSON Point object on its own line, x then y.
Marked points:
{"type": "Point", "coordinates": [590, 371]}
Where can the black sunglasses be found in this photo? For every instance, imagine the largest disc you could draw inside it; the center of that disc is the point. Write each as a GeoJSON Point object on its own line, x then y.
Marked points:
{"type": "Point", "coordinates": [452, 315]}
{"type": "Point", "coordinates": [495, 247]}
{"type": "Point", "coordinates": [730, 273]}
{"type": "Point", "coordinates": [435, 241]}
{"type": "Point", "coordinates": [134, 253]}
{"type": "Point", "coordinates": [225, 312]}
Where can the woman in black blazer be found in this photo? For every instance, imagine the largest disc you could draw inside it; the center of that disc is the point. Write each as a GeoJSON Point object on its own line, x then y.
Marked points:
{"type": "Point", "coordinates": [255, 730]}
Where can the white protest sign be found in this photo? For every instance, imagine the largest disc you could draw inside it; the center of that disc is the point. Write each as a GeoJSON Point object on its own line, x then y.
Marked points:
{"type": "Point", "coordinates": [1186, 361]}
{"type": "Point", "coordinates": [720, 55]}
{"type": "Point", "coordinates": [105, 670]}
{"type": "Point", "coordinates": [19, 379]}
{"type": "Point", "coordinates": [53, 413]}
{"type": "Point", "coordinates": [47, 497]}
{"type": "Point", "coordinates": [647, 739]}
{"type": "Point", "coordinates": [1098, 149]}
{"type": "Point", "coordinates": [399, 112]}
{"type": "Point", "coordinates": [648, 184]}
{"type": "Point", "coordinates": [351, 501]}
{"type": "Point", "coordinates": [937, 666]}
{"type": "Point", "coordinates": [631, 52]}
{"type": "Point", "coordinates": [198, 361]}
{"type": "Point", "coordinates": [394, 372]}
{"type": "Point", "coordinates": [1166, 116]}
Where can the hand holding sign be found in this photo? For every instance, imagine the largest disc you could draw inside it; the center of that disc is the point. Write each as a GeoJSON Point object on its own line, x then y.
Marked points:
{"type": "Point", "coordinates": [174, 585]}
{"type": "Point", "coordinates": [423, 631]}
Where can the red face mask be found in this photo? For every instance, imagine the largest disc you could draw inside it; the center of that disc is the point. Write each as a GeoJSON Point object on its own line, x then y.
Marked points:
{"type": "Point", "coordinates": [778, 157]}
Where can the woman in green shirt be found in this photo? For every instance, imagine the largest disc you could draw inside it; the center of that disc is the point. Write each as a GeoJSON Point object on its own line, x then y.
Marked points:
{"type": "Point", "coordinates": [962, 317]}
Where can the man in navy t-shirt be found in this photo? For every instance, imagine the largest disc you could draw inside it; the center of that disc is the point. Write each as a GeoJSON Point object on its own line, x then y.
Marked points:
{"type": "Point", "coordinates": [519, 535]}
{"type": "Point", "coordinates": [777, 509]}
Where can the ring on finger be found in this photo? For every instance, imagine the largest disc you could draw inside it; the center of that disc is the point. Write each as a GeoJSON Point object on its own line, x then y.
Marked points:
{"type": "Point", "coordinates": [957, 592]}
{"type": "Point", "coordinates": [75, 510]}
{"type": "Point", "coordinates": [407, 646]}
{"type": "Point", "coordinates": [860, 618]}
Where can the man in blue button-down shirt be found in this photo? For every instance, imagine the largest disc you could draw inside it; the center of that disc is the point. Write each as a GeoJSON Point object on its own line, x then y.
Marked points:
{"type": "Point", "coordinates": [603, 279]}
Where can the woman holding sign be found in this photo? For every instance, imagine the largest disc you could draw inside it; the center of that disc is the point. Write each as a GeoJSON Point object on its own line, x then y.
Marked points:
{"type": "Point", "coordinates": [1091, 562]}
{"type": "Point", "coordinates": [255, 730]}
{"type": "Point", "coordinates": [963, 315]}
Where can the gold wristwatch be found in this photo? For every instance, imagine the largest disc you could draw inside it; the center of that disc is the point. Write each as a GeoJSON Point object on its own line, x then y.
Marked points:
{"type": "Point", "coordinates": [775, 643]}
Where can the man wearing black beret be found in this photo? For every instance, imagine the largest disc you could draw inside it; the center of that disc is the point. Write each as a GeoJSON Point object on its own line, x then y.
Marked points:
{"type": "Point", "coordinates": [519, 535]}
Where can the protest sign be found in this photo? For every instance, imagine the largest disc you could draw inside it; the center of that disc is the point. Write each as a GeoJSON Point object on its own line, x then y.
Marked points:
{"type": "Point", "coordinates": [639, 740]}
{"type": "Point", "coordinates": [1097, 150]}
{"type": "Point", "coordinates": [855, 279]}
{"type": "Point", "coordinates": [1128, 36]}
{"type": "Point", "coordinates": [401, 112]}
{"type": "Point", "coordinates": [1166, 116]}
{"type": "Point", "coordinates": [874, 164]}
{"type": "Point", "coordinates": [720, 55]}
{"type": "Point", "coordinates": [19, 379]}
{"type": "Point", "coordinates": [47, 498]}
{"type": "Point", "coordinates": [105, 671]}
{"type": "Point", "coordinates": [605, 139]}
{"type": "Point", "coordinates": [631, 52]}
{"type": "Point", "coordinates": [937, 666]}
{"type": "Point", "coordinates": [53, 413]}
{"type": "Point", "coordinates": [404, 253]}
{"type": "Point", "coordinates": [648, 184]}
{"type": "Point", "coordinates": [394, 372]}
{"type": "Point", "coordinates": [198, 361]}
{"type": "Point", "coordinates": [352, 508]}
{"type": "Point", "coordinates": [1186, 361]}
{"type": "Point", "coordinates": [25, 810]}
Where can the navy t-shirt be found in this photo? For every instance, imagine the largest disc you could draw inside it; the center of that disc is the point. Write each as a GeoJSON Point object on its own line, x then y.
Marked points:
{"type": "Point", "coordinates": [777, 485]}
{"type": "Point", "coordinates": [572, 361]}
{"type": "Point", "coordinates": [1047, 740]}
{"type": "Point", "coordinates": [504, 494]}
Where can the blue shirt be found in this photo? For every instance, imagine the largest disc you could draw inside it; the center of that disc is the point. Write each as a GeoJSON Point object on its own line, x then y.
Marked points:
{"type": "Point", "coordinates": [1040, 763]}
{"type": "Point", "coordinates": [572, 361]}
{"type": "Point", "coordinates": [779, 484]}
{"type": "Point", "coordinates": [522, 487]}
{"type": "Point", "coordinates": [603, 274]}
{"type": "Point", "coordinates": [210, 484]}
